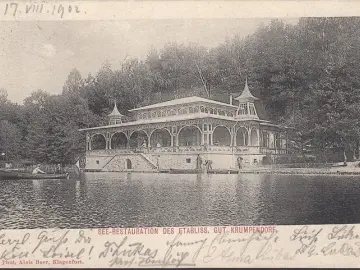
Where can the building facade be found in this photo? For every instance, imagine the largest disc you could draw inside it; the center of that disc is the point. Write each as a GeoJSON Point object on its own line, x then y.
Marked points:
{"type": "Point", "coordinates": [185, 133]}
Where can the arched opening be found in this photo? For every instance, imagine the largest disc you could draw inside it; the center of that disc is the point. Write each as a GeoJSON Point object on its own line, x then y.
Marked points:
{"type": "Point", "coordinates": [138, 139]}
{"type": "Point", "coordinates": [221, 136]}
{"type": "Point", "coordinates": [242, 137]}
{"type": "Point", "coordinates": [189, 135]}
{"type": "Point", "coordinates": [160, 138]}
{"type": "Point", "coordinates": [118, 140]}
{"type": "Point", "coordinates": [98, 142]}
{"type": "Point", "coordinates": [128, 164]}
{"type": "Point", "coordinates": [266, 160]}
{"type": "Point", "coordinates": [254, 137]}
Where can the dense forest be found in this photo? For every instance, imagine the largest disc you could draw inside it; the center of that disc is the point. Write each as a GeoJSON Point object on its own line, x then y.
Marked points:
{"type": "Point", "coordinates": [307, 76]}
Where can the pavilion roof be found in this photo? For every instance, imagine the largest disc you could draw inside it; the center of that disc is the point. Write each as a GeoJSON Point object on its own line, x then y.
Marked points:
{"type": "Point", "coordinates": [179, 101]}
{"type": "Point", "coordinates": [246, 94]}
{"type": "Point", "coordinates": [115, 111]}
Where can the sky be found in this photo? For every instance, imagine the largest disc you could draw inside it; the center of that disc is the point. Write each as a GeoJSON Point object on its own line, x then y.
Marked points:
{"type": "Point", "coordinates": [40, 55]}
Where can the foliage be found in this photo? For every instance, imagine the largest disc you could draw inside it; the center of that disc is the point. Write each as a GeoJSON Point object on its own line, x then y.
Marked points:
{"type": "Point", "coordinates": [307, 76]}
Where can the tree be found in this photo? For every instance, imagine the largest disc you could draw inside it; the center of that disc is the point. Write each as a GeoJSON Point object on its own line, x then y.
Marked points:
{"type": "Point", "coordinates": [3, 96]}
{"type": "Point", "coordinates": [10, 140]}
{"type": "Point", "coordinates": [74, 83]}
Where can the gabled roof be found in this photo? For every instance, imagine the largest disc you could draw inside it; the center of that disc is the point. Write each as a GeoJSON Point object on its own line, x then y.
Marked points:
{"type": "Point", "coordinates": [115, 112]}
{"type": "Point", "coordinates": [180, 101]}
{"type": "Point", "coordinates": [246, 94]}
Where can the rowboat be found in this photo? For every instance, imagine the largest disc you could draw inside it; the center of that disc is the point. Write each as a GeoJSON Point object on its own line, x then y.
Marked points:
{"type": "Point", "coordinates": [13, 175]}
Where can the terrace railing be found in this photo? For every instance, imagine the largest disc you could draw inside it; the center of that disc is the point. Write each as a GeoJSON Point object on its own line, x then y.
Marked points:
{"type": "Point", "coordinates": [172, 149]}
{"type": "Point", "coordinates": [189, 149]}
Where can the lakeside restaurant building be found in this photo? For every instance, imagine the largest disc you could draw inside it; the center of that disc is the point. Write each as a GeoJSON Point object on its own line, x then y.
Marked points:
{"type": "Point", "coordinates": [175, 133]}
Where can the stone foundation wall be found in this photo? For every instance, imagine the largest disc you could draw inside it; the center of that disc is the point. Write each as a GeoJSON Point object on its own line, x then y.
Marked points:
{"type": "Point", "coordinates": [96, 163]}
{"type": "Point", "coordinates": [166, 161]}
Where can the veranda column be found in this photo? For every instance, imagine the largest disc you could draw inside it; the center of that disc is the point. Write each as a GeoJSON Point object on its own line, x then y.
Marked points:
{"type": "Point", "coordinates": [249, 137]}
{"type": "Point", "coordinates": [128, 139]}
{"type": "Point", "coordinates": [177, 139]}
{"type": "Point", "coordinates": [234, 135]}
{"type": "Point", "coordinates": [107, 139]}
{"type": "Point", "coordinates": [271, 140]}
{"type": "Point", "coordinates": [149, 142]}
{"type": "Point", "coordinates": [258, 137]}
{"type": "Point", "coordinates": [202, 134]}
{"type": "Point", "coordinates": [211, 132]}
{"type": "Point", "coordinates": [174, 136]}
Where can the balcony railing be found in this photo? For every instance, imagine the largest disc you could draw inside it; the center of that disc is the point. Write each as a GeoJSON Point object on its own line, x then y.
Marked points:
{"type": "Point", "coordinates": [190, 149]}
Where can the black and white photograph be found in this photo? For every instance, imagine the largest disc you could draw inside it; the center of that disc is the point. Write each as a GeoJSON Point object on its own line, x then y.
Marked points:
{"type": "Point", "coordinates": [179, 122]}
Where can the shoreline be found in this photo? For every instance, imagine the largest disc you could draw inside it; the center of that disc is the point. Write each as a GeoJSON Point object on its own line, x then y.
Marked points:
{"type": "Point", "coordinates": [295, 171]}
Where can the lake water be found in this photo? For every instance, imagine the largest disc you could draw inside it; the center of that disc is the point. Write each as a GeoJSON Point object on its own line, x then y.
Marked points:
{"type": "Point", "coordinates": [134, 200]}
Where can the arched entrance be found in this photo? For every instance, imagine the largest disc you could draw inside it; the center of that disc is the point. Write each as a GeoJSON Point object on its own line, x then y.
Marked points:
{"type": "Point", "coordinates": [254, 138]}
{"type": "Point", "coordinates": [242, 137]}
{"type": "Point", "coordinates": [189, 135]}
{"type": "Point", "coordinates": [118, 140]}
{"type": "Point", "coordinates": [160, 138]}
{"type": "Point", "coordinates": [98, 142]}
{"type": "Point", "coordinates": [138, 139]}
{"type": "Point", "coordinates": [128, 164]}
{"type": "Point", "coordinates": [221, 136]}
{"type": "Point", "coordinates": [266, 160]}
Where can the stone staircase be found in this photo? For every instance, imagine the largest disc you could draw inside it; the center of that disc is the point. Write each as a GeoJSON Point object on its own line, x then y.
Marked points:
{"type": "Point", "coordinates": [148, 160]}
{"type": "Point", "coordinates": [140, 162]}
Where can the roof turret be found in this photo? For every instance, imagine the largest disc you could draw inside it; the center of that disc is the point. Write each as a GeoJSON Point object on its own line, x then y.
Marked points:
{"type": "Point", "coordinates": [115, 111]}
{"type": "Point", "coordinates": [115, 116]}
{"type": "Point", "coordinates": [246, 95]}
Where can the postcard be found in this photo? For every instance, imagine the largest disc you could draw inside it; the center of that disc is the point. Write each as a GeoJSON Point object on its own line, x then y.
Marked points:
{"type": "Point", "coordinates": [190, 134]}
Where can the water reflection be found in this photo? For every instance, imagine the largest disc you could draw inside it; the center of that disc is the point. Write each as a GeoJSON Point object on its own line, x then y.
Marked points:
{"type": "Point", "coordinates": [131, 200]}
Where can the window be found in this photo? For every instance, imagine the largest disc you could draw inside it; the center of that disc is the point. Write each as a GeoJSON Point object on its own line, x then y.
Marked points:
{"type": "Point", "coordinates": [163, 113]}
{"type": "Point", "coordinates": [265, 139]}
{"type": "Point", "coordinates": [242, 110]}
{"type": "Point", "coordinates": [277, 141]}
{"type": "Point", "coordinates": [158, 114]}
{"type": "Point", "coordinates": [97, 162]}
{"type": "Point", "coordinates": [188, 160]}
{"type": "Point", "coordinates": [196, 109]}
{"type": "Point", "coordinates": [255, 160]}
{"type": "Point", "coordinates": [191, 110]}
{"type": "Point", "coordinates": [252, 109]}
